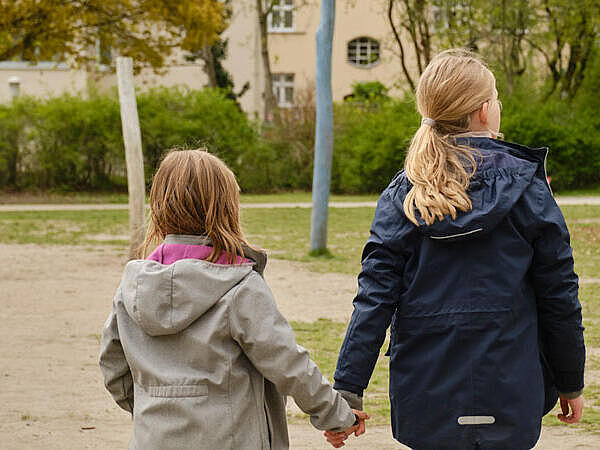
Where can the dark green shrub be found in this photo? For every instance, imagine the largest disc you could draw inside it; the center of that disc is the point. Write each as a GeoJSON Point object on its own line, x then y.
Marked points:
{"type": "Point", "coordinates": [369, 90]}
{"type": "Point", "coordinates": [15, 121]}
{"type": "Point", "coordinates": [176, 117]}
{"type": "Point", "coordinates": [570, 130]}
{"type": "Point", "coordinates": [370, 144]}
{"type": "Point", "coordinates": [78, 142]}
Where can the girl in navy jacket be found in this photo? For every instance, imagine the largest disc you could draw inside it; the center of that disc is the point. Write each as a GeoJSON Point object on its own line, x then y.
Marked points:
{"type": "Point", "coordinates": [470, 264]}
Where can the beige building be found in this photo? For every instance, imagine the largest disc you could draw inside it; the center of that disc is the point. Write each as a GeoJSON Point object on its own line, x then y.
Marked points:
{"type": "Point", "coordinates": [361, 52]}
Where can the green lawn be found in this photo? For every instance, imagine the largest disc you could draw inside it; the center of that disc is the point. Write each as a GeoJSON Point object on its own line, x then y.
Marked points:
{"type": "Point", "coordinates": [284, 232]}
{"type": "Point", "coordinates": [116, 197]}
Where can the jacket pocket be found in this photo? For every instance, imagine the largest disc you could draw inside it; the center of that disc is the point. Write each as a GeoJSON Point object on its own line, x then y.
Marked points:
{"type": "Point", "coordinates": [177, 391]}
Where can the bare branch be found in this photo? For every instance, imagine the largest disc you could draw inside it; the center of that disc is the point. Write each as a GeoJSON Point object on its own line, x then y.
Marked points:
{"type": "Point", "coordinates": [390, 16]}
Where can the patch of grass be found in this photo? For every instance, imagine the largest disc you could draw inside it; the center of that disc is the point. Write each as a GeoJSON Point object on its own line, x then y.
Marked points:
{"type": "Point", "coordinates": [589, 295]}
{"type": "Point", "coordinates": [585, 240]}
{"type": "Point", "coordinates": [62, 197]}
{"type": "Point", "coordinates": [284, 232]}
{"type": "Point", "coordinates": [63, 227]}
{"type": "Point", "coordinates": [592, 191]}
{"type": "Point", "coordinates": [304, 197]}
{"type": "Point", "coordinates": [579, 212]}
{"type": "Point", "coordinates": [121, 197]}
{"type": "Point", "coordinates": [323, 339]}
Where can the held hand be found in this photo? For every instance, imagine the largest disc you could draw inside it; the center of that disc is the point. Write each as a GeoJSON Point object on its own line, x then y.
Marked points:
{"type": "Point", "coordinates": [337, 439]}
{"type": "Point", "coordinates": [361, 427]}
{"type": "Point", "coordinates": [575, 405]}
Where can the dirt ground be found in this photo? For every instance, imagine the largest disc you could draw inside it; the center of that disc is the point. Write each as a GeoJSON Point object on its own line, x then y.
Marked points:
{"type": "Point", "coordinates": [54, 301]}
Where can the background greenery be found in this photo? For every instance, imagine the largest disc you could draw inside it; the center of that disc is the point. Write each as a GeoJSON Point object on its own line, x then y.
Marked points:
{"type": "Point", "coordinates": [71, 143]}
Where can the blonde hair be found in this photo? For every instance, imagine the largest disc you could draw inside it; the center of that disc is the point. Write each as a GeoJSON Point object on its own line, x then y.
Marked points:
{"type": "Point", "coordinates": [194, 192]}
{"type": "Point", "coordinates": [455, 84]}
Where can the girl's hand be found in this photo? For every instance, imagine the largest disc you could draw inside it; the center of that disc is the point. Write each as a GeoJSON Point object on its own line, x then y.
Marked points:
{"type": "Point", "coordinates": [336, 439]}
{"type": "Point", "coordinates": [576, 407]}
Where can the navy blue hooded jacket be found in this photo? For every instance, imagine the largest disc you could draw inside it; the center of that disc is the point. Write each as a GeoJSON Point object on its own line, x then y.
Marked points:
{"type": "Point", "coordinates": [484, 311]}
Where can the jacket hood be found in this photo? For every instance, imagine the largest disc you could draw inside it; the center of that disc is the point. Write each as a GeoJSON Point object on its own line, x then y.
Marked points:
{"type": "Point", "coordinates": [504, 171]}
{"type": "Point", "coordinates": [166, 299]}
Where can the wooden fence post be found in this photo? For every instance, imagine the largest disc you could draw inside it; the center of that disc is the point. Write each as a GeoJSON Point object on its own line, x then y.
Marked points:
{"type": "Point", "coordinates": [133, 154]}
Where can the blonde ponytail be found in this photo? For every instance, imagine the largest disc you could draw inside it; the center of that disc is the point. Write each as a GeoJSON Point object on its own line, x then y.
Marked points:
{"type": "Point", "coordinates": [454, 85]}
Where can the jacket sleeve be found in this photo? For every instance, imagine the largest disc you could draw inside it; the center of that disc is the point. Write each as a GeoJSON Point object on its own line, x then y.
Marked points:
{"type": "Point", "coordinates": [380, 284]}
{"type": "Point", "coordinates": [556, 288]}
{"type": "Point", "coordinates": [116, 372]}
{"type": "Point", "coordinates": [268, 341]}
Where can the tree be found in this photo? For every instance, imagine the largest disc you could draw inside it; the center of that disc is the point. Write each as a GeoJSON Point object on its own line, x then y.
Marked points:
{"type": "Point", "coordinates": [263, 9]}
{"type": "Point", "coordinates": [566, 37]}
{"type": "Point", "coordinates": [507, 33]}
{"type": "Point", "coordinates": [146, 30]}
{"type": "Point", "coordinates": [414, 17]}
{"type": "Point", "coordinates": [212, 56]}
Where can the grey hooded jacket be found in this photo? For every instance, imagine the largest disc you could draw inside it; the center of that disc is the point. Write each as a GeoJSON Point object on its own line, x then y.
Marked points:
{"type": "Point", "coordinates": [202, 358]}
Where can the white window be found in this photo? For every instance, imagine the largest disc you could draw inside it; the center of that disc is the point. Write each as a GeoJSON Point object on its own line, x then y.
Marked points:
{"type": "Point", "coordinates": [283, 89]}
{"type": "Point", "coordinates": [363, 52]}
{"type": "Point", "coordinates": [281, 17]}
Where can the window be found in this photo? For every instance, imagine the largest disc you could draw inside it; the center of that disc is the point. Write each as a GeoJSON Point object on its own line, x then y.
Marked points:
{"type": "Point", "coordinates": [283, 89]}
{"type": "Point", "coordinates": [281, 17]}
{"type": "Point", "coordinates": [363, 52]}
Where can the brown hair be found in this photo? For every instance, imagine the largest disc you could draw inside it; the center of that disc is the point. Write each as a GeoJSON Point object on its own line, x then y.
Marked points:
{"type": "Point", "coordinates": [194, 192]}
{"type": "Point", "coordinates": [455, 84]}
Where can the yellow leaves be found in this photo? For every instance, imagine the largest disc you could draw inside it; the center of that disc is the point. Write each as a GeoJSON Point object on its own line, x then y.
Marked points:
{"type": "Point", "coordinates": [147, 30]}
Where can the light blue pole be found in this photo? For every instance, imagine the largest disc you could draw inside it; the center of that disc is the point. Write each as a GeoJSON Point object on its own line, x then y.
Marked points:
{"type": "Point", "coordinates": [324, 131]}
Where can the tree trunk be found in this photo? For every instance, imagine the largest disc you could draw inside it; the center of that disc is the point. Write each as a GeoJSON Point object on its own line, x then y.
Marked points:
{"type": "Point", "coordinates": [399, 42]}
{"type": "Point", "coordinates": [268, 96]}
{"type": "Point", "coordinates": [324, 130]}
{"type": "Point", "coordinates": [209, 66]}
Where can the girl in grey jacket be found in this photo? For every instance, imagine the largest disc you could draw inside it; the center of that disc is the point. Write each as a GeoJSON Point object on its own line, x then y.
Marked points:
{"type": "Point", "coordinates": [195, 347]}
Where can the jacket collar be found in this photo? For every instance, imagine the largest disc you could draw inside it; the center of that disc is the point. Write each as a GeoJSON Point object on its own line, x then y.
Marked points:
{"type": "Point", "coordinates": [258, 256]}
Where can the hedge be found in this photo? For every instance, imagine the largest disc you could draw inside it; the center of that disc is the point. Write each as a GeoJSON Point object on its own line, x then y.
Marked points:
{"type": "Point", "coordinates": [75, 143]}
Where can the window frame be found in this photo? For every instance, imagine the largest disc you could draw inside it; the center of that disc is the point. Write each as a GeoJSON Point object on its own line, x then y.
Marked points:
{"type": "Point", "coordinates": [279, 88]}
{"type": "Point", "coordinates": [281, 8]}
{"type": "Point", "coordinates": [369, 44]}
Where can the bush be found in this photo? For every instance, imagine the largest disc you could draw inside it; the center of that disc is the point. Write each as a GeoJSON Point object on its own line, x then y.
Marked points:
{"type": "Point", "coordinates": [570, 130]}
{"type": "Point", "coordinates": [369, 90]}
{"type": "Point", "coordinates": [73, 143]}
{"type": "Point", "coordinates": [78, 143]}
{"type": "Point", "coordinates": [14, 125]}
{"type": "Point", "coordinates": [371, 144]}
{"type": "Point", "coordinates": [180, 118]}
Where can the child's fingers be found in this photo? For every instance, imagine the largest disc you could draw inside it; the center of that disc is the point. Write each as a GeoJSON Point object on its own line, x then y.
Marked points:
{"type": "Point", "coordinates": [564, 405]}
{"type": "Point", "coordinates": [361, 428]}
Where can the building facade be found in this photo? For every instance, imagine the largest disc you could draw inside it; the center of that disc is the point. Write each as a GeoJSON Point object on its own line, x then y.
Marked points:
{"type": "Point", "coordinates": [361, 52]}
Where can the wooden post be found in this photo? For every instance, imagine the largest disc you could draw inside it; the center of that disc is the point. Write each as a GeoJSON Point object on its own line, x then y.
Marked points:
{"type": "Point", "coordinates": [324, 131]}
{"type": "Point", "coordinates": [133, 154]}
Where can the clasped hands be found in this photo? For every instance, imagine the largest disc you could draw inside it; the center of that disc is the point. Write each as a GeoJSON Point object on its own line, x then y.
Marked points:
{"type": "Point", "coordinates": [336, 439]}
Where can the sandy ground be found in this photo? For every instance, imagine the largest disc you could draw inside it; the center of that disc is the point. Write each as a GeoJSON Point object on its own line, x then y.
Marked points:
{"type": "Point", "coordinates": [54, 301]}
